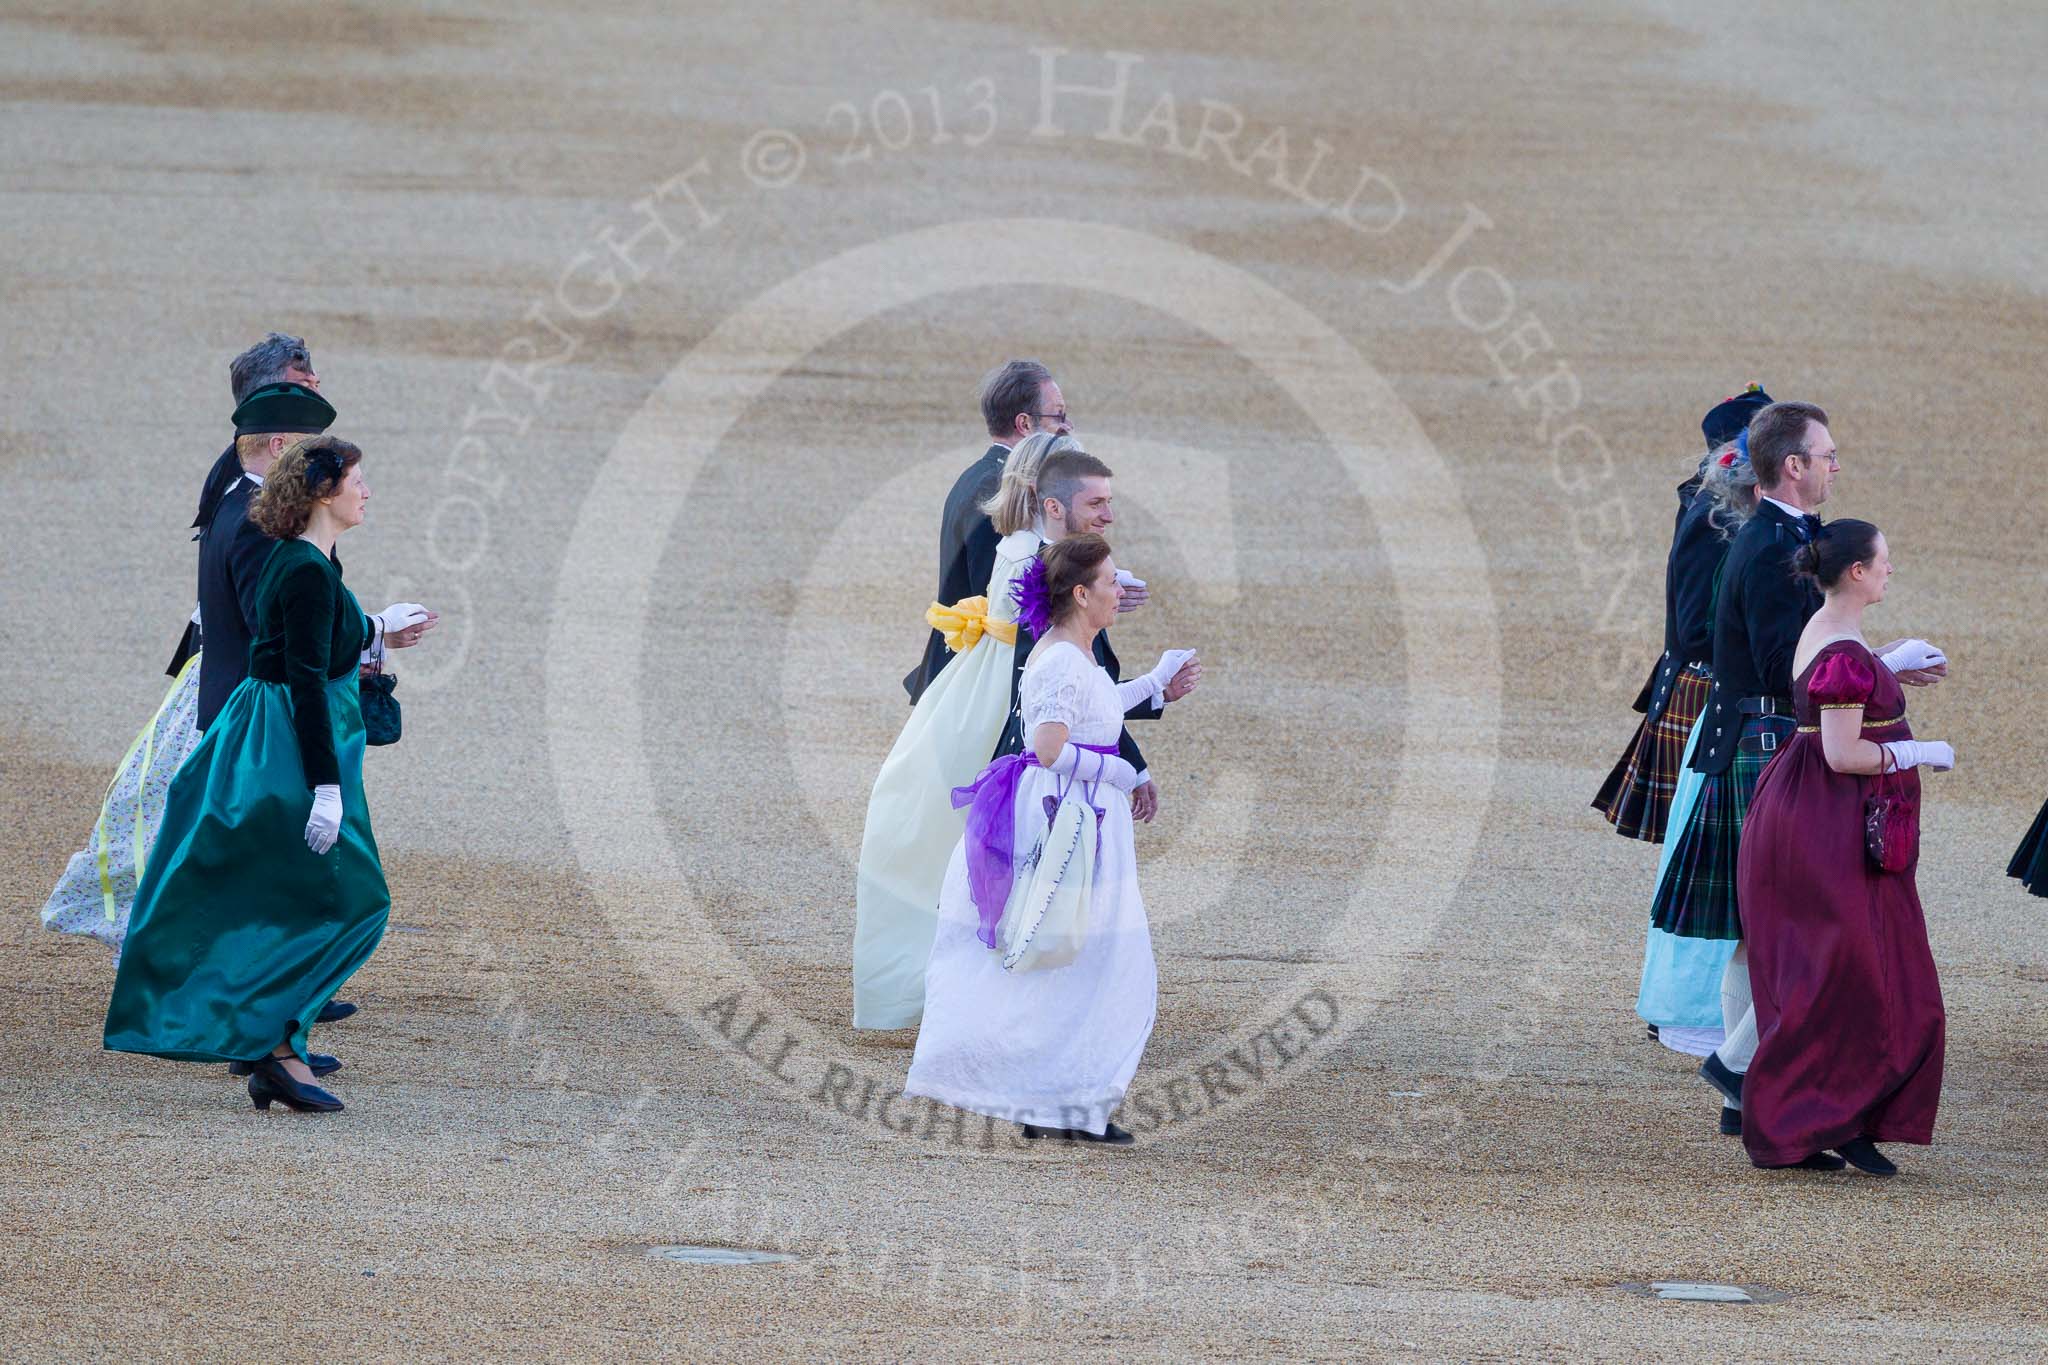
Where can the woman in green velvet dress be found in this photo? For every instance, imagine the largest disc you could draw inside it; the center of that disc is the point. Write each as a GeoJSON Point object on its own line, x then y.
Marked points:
{"type": "Point", "coordinates": [254, 911]}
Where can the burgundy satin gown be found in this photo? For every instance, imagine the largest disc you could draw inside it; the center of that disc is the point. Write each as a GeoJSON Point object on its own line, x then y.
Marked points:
{"type": "Point", "coordinates": [1848, 1006]}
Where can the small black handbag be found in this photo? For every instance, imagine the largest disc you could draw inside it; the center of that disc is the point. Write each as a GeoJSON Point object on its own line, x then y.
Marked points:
{"type": "Point", "coordinates": [381, 721]}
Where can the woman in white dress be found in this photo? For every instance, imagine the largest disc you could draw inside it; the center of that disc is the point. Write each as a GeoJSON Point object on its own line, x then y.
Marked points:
{"type": "Point", "coordinates": [912, 824]}
{"type": "Point", "coordinates": [1051, 1048]}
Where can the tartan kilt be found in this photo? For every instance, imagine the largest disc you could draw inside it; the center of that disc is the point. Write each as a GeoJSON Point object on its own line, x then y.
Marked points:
{"type": "Point", "coordinates": [1636, 798]}
{"type": "Point", "coordinates": [1696, 896]}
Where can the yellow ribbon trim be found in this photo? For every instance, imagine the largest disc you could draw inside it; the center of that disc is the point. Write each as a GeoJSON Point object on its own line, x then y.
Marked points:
{"type": "Point", "coordinates": [145, 743]}
{"type": "Point", "coordinates": [966, 621]}
{"type": "Point", "coordinates": [1851, 706]}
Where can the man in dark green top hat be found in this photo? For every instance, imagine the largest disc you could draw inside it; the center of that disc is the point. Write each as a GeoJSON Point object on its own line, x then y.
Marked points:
{"type": "Point", "coordinates": [231, 550]}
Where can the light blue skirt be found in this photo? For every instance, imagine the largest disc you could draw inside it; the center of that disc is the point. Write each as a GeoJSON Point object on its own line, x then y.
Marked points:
{"type": "Point", "coordinates": [1681, 986]}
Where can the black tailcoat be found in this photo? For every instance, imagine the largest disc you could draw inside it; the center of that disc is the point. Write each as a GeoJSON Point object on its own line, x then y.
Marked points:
{"type": "Point", "coordinates": [1757, 622]}
{"type": "Point", "coordinates": [226, 471]}
{"type": "Point", "coordinates": [1646, 698]}
{"type": "Point", "coordinates": [967, 555]}
{"type": "Point", "coordinates": [231, 555]}
{"type": "Point", "coordinates": [1697, 552]}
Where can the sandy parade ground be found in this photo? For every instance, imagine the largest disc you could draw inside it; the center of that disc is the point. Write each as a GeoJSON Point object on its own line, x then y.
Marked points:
{"type": "Point", "coordinates": [660, 328]}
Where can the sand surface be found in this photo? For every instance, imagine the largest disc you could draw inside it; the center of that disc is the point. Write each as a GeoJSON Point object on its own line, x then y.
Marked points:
{"type": "Point", "coordinates": [661, 330]}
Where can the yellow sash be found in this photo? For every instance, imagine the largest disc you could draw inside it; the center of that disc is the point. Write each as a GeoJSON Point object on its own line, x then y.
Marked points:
{"type": "Point", "coordinates": [966, 621]}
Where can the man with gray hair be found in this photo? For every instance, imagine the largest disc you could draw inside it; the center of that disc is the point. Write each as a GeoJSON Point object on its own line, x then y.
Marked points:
{"type": "Point", "coordinates": [1018, 398]}
{"type": "Point", "coordinates": [277, 359]}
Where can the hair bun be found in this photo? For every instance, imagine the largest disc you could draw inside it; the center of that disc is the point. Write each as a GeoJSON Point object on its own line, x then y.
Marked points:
{"type": "Point", "coordinates": [1833, 551]}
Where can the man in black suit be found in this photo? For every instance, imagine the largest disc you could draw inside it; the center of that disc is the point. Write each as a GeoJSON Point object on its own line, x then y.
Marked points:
{"type": "Point", "coordinates": [1017, 399]}
{"type": "Point", "coordinates": [277, 359]}
{"type": "Point", "coordinates": [231, 549]}
{"type": "Point", "coordinates": [1074, 496]}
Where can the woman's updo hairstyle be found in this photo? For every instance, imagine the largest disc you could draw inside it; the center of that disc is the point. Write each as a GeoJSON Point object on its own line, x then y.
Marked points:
{"type": "Point", "coordinates": [1069, 564]}
{"type": "Point", "coordinates": [1839, 547]}
{"type": "Point", "coordinates": [308, 472]}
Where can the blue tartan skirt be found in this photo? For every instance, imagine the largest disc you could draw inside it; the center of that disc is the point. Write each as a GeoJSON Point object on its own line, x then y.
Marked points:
{"type": "Point", "coordinates": [1696, 896]}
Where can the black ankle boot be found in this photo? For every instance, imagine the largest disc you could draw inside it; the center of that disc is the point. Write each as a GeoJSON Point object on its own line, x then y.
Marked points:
{"type": "Point", "coordinates": [1864, 1156]}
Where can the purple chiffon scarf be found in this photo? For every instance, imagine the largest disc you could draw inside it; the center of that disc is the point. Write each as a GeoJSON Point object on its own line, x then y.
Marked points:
{"type": "Point", "coordinates": [991, 832]}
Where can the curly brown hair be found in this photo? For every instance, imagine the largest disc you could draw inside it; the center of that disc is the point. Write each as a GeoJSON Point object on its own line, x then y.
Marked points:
{"type": "Point", "coordinates": [284, 504]}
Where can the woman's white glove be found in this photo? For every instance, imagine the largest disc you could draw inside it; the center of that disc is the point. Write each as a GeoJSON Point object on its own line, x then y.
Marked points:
{"type": "Point", "coordinates": [1912, 753]}
{"type": "Point", "coordinates": [1170, 663]}
{"type": "Point", "coordinates": [1908, 655]}
{"type": "Point", "coordinates": [323, 826]}
{"type": "Point", "coordinates": [1085, 765]}
{"type": "Point", "coordinates": [399, 615]}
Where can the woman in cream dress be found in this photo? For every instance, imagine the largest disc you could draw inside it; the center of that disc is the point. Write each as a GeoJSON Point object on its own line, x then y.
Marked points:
{"type": "Point", "coordinates": [912, 825]}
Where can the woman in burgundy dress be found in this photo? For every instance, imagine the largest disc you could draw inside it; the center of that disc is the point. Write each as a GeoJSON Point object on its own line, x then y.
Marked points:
{"type": "Point", "coordinates": [1848, 1007]}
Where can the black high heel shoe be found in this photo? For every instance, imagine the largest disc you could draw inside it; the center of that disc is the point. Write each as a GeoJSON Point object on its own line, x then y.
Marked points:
{"type": "Point", "coordinates": [268, 1081]}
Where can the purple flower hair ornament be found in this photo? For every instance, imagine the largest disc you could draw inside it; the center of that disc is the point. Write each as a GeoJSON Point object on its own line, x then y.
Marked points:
{"type": "Point", "coordinates": [1033, 601]}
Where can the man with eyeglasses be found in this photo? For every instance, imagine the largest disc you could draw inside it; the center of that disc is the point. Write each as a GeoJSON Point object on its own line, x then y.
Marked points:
{"type": "Point", "coordinates": [1759, 615]}
{"type": "Point", "coordinates": [1017, 399]}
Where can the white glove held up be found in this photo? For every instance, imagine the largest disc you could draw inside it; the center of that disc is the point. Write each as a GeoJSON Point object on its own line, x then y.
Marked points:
{"type": "Point", "coordinates": [1907, 655]}
{"type": "Point", "coordinates": [399, 615]}
{"type": "Point", "coordinates": [1085, 765]}
{"type": "Point", "coordinates": [1912, 753]}
{"type": "Point", "coordinates": [1162, 672]}
{"type": "Point", "coordinates": [323, 826]}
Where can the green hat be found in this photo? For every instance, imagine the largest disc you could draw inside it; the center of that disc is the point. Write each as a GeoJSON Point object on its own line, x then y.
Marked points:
{"type": "Point", "coordinates": [283, 407]}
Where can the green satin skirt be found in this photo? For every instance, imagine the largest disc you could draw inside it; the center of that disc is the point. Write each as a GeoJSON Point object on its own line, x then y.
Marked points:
{"type": "Point", "coordinates": [240, 932]}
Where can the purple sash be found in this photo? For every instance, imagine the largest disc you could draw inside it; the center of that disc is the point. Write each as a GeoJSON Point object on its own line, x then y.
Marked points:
{"type": "Point", "coordinates": [991, 832]}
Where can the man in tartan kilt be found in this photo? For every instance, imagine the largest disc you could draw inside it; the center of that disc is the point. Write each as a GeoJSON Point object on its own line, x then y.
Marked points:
{"type": "Point", "coordinates": [1636, 798]}
{"type": "Point", "coordinates": [1758, 618]}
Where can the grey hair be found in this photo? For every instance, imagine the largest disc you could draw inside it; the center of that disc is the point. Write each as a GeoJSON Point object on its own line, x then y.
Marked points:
{"type": "Point", "coordinates": [1014, 507]}
{"type": "Point", "coordinates": [1733, 489]}
{"type": "Point", "coordinates": [266, 363]}
{"type": "Point", "coordinates": [1009, 389]}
